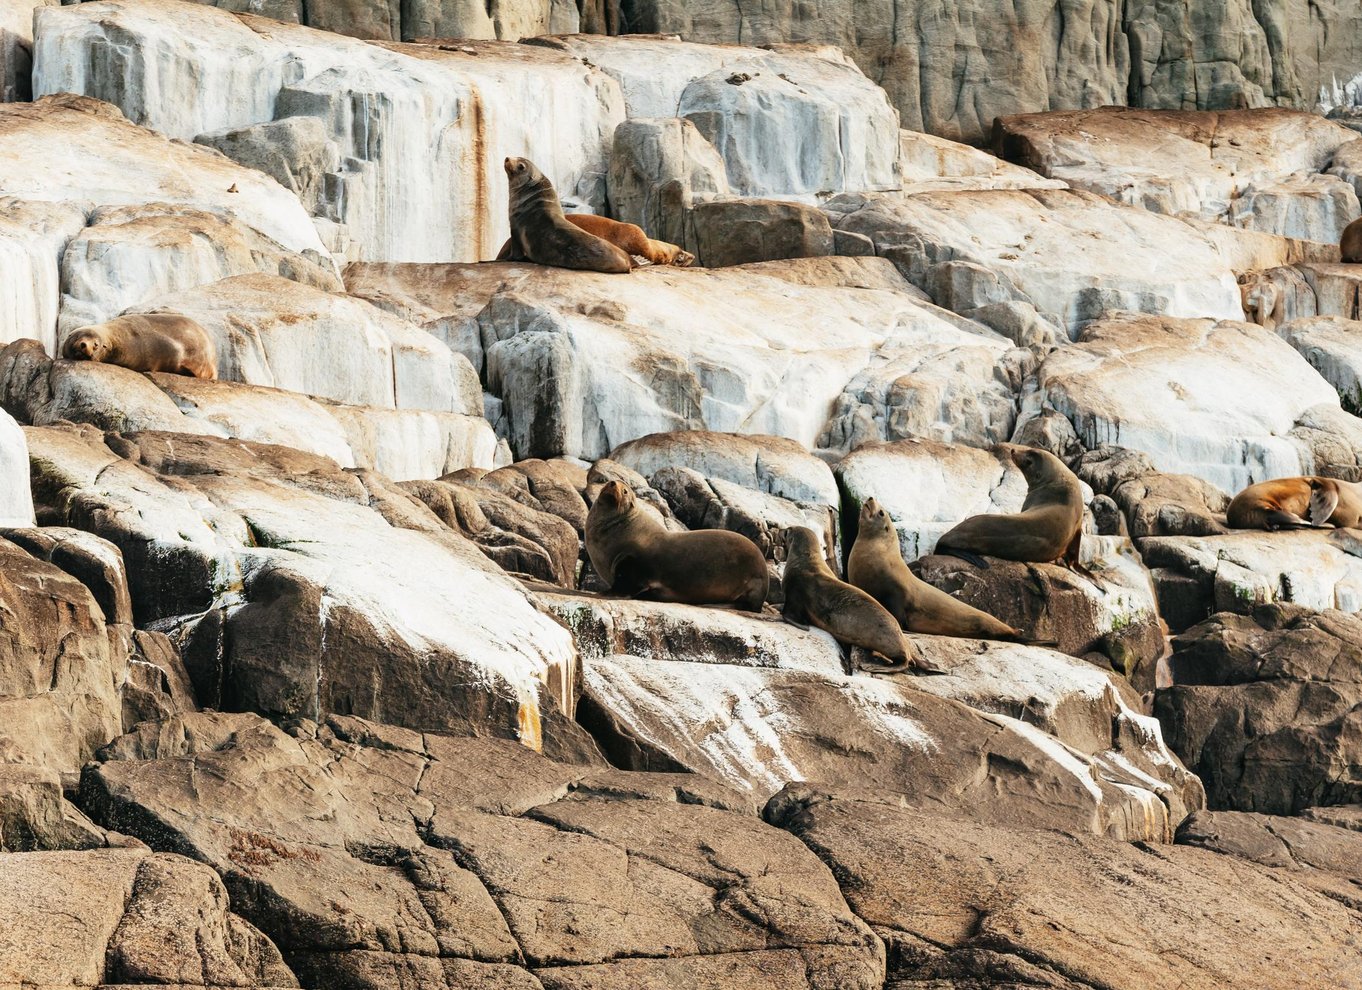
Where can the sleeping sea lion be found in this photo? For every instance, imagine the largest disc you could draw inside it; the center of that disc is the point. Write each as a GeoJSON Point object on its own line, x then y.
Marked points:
{"type": "Point", "coordinates": [815, 596]}
{"type": "Point", "coordinates": [634, 555]}
{"type": "Point", "coordinates": [1048, 528]}
{"type": "Point", "coordinates": [632, 239]}
{"type": "Point", "coordinates": [165, 342]}
{"type": "Point", "coordinates": [876, 566]}
{"type": "Point", "coordinates": [1296, 503]}
{"type": "Point", "coordinates": [542, 234]}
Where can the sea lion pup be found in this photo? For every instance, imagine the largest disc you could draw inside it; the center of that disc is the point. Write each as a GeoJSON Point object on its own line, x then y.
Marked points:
{"type": "Point", "coordinates": [1350, 244]}
{"type": "Point", "coordinates": [164, 342]}
{"type": "Point", "coordinates": [1048, 528]}
{"type": "Point", "coordinates": [815, 596]}
{"type": "Point", "coordinates": [876, 566]}
{"type": "Point", "coordinates": [541, 233]}
{"type": "Point", "coordinates": [635, 556]}
{"type": "Point", "coordinates": [1296, 503]}
{"type": "Point", "coordinates": [632, 239]}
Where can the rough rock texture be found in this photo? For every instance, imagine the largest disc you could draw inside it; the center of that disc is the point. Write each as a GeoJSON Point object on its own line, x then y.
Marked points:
{"type": "Point", "coordinates": [929, 164]}
{"type": "Point", "coordinates": [16, 500]}
{"type": "Point", "coordinates": [36, 817]}
{"type": "Point", "coordinates": [971, 904]}
{"type": "Point", "coordinates": [1258, 169]}
{"type": "Point", "coordinates": [1331, 345]}
{"type": "Point", "coordinates": [1071, 254]}
{"type": "Point", "coordinates": [130, 918]}
{"type": "Point", "coordinates": [1267, 708]}
{"type": "Point", "coordinates": [1227, 402]}
{"type": "Point", "coordinates": [420, 131]}
{"type": "Point", "coordinates": [759, 729]}
{"type": "Point", "coordinates": [743, 231]}
{"type": "Point", "coordinates": [296, 588]}
{"type": "Point", "coordinates": [951, 70]}
{"type": "Point", "coordinates": [16, 48]}
{"type": "Point", "coordinates": [402, 443]}
{"type": "Point", "coordinates": [583, 362]}
{"type": "Point", "coordinates": [374, 855]}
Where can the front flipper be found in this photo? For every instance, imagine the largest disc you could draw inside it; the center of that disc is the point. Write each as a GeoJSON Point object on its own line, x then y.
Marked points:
{"type": "Point", "coordinates": [1071, 561]}
{"type": "Point", "coordinates": [1279, 519]}
{"type": "Point", "coordinates": [1323, 502]}
{"type": "Point", "coordinates": [965, 555]}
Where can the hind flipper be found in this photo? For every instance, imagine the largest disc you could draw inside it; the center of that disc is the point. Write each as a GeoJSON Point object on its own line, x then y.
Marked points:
{"type": "Point", "coordinates": [965, 555]}
{"type": "Point", "coordinates": [1070, 560]}
{"type": "Point", "coordinates": [1275, 520]}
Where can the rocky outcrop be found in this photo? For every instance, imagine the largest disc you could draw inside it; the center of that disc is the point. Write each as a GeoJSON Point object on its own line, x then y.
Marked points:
{"type": "Point", "coordinates": [582, 363]}
{"type": "Point", "coordinates": [951, 72]}
{"type": "Point", "coordinates": [1260, 420]}
{"type": "Point", "coordinates": [1330, 344]}
{"type": "Point", "coordinates": [403, 443]}
{"type": "Point", "coordinates": [373, 855]}
{"type": "Point", "coordinates": [16, 500]}
{"type": "Point", "coordinates": [1265, 708]}
{"type": "Point", "coordinates": [127, 918]}
{"type": "Point", "coordinates": [1256, 169]}
{"type": "Point", "coordinates": [296, 588]}
{"type": "Point", "coordinates": [16, 48]}
{"type": "Point", "coordinates": [1037, 908]}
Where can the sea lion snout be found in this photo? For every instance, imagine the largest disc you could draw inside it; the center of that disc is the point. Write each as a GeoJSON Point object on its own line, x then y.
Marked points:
{"type": "Point", "coordinates": [82, 346]}
{"type": "Point", "coordinates": [514, 166]}
{"type": "Point", "coordinates": [616, 494]}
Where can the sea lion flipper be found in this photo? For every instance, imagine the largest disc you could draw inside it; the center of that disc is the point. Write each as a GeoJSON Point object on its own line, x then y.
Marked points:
{"type": "Point", "coordinates": [965, 555]}
{"type": "Point", "coordinates": [1278, 519]}
{"type": "Point", "coordinates": [1323, 502]}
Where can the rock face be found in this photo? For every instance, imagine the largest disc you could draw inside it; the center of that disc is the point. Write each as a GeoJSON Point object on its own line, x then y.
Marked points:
{"type": "Point", "coordinates": [1330, 344]}
{"type": "Point", "coordinates": [290, 594]}
{"type": "Point", "coordinates": [1070, 255]}
{"type": "Point", "coordinates": [1319, 854]}
{"type": "Point", "coordinates": [129, 918]}
{"type": "Point", "coordinates": [376, 855]}
{"type": "Point", "coordinates": [1251, 422]}
{"type": "Point", "coordinates": [1037, 908]}
{"type": "Point", "coordinates": [1258, 169]}
{"type": "Point", "coordinates": [16, 48]}
{"type": "Point", "coordinates": [951, 72]}
{"type": "Point", "coordinates": [582, 362]}
{"type": "Point", "coordinates": [16, 501]}
{"type": "Point", "coordinates": [1265, 708]}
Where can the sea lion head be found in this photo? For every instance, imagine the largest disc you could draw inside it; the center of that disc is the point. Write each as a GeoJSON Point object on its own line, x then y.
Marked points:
{"type": "Point", "coordinates": [1037, 465]}
{"type": "Point", "coordinates": [684, 259]}
{"type": "Point", "coordinates": [520, 171]}
{"type": "Point", "coordinates": [615, 496]}
{"type": "Point", "coordinates": [874, 520]}
{"type": "Point", "coordinates": [802, 545]}
{"type": "Point", "coordinates": [85, 345]}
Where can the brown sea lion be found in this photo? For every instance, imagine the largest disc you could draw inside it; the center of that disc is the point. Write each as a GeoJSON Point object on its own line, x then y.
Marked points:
{"type": "Point", "coordinates": [634, 555]}
{"type": "Point", "coordinates": [542, 234]}
{"type": "Point", "coordinates": [1296, 503]}
{"type": "Point", "coordinates": [164, 342]}
{"type": "Point", "coordinates": [876, 566]}
{"type": "Point", "coordinates": [1350, 244]}
{"type": "Point", "coordinates": [815, 596]}
{"type": "Point", "coordinates": [633, 240]}
{"type": "Point", "coordinates": [1048, 528]}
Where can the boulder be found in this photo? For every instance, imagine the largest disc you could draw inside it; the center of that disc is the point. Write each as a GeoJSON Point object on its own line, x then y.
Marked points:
{"type": "Point", "coordinates": [373, 854]}
{"type": "Point", "coordinates": [128, 255]}
{"type": "Point", "coordinates": [1195, 576]}
{"type": "Point", "coordinates": [1330, 344]}
{"type": "Point", "coordinates": [1072, 254]}
{"type": "Point", "coordinates": [60, 670]}
{"type": "Point", "coordinates": [929, 164]}
{"type": "Point", "coordinates": [294, 587]}
{"type": "Point", "coordinates": [295, 151]}
{"type": "Point", "coordinates": [420, 131]}
{"type": "Point", "coordinates": [798, 123]}
{"type": "Point", "coordinates": [130, 918]}
{"type": "Point", "coordinates": [405, 443]}
{"type": "Point", "coordinates": [742, 231]}
{"type": "Point", "coordinates": [759, 729]}
{"type": "Point", "coordinates": [583, 362]}
{"type": "Point", "coordinates": [660, 167]}
{"type": "Point", "coordinates": [272, 331]}
{"type": "Point", "coordinates": [1217, 400]}
{"type": "Point", "coordinates": [36, 817]}
{"type": "Point", "coordinates": [964, 903]}
{"type": "Point", "coordinates": [16, 48]}
{"type": "Point", "coordinates": [1317, 854]}
{"type": "Point", "coordinates": [1267, 708]}
{"type": "Point", "coordinates": [1256, 169]}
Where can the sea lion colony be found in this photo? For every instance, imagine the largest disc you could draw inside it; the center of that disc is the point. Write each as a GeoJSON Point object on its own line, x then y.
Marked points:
{"type": "Point", "coordinates": [636, 556]}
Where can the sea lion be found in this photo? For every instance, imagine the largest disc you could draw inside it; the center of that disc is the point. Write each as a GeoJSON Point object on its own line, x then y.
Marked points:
{"type": "Point", "coordinates": [541, 233]}
{"type": "Point", "coordinates": [632, 239]}
{"type": "Point", "coordinates": [635, 555]}
{"type": "Point", "coordinates": [815, 596]}
{"type": "Point", "coordinates": [1296, 503]}
{"type": "Point", "coordinates": [164, 342]}
{"type": "Point", "coordinates": [876, 566]}
{"type": "Point", "coordinates": [1350, 244]}
{"type": "Point", "coordinates": [1048, 528]}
